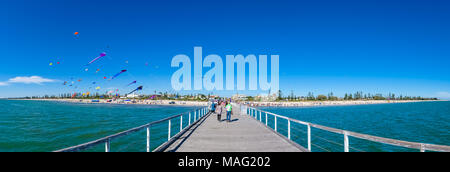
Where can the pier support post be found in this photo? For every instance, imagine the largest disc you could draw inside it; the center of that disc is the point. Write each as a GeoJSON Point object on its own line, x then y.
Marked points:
{"type": "Point", "coordinates": [309, 137]}
{"type": "Point", "coordinates": [107, 145]}
{"type": "Point", "coordinates": [181, 123]}
{"type": "Point", "coordinates": [275, 123]}
{"type": "Point", "coordinates": [168, 134]}
{"type": "Point", "coordinates": [260, 116]}
{"type": "Point", "coordinates": [289, 129]}
{"type": "Point", "coordinates": [346, 147]}
{"type": "Point", "coordinates": [148, 139]}
{"type": "Point", "coordinates": [266, 119]}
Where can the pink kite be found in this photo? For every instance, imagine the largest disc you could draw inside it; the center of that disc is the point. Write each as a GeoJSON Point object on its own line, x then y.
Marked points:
{"type": "Point", "coordinates": [101, 55]}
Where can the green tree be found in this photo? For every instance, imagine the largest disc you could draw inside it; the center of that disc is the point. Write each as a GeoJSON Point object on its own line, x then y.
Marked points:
{"type": "Point", "coordinates": [321, 97]}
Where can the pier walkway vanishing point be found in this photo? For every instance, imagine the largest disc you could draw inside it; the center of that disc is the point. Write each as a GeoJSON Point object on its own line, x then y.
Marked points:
{"type": "Point", "coordinates": [251, 130]}
{"type": "Point", "coordinates": [242, 134]}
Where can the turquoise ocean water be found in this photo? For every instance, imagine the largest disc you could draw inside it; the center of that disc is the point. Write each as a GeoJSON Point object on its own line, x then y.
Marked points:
{"type": "Point", "coordinates": [425, 122]}
{"type": "Point", "coordinates": [48, 126]}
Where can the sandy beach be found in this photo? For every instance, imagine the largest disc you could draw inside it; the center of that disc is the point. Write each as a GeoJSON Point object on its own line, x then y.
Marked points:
{"type": "Point", "coordinates": [254, 104]}
{"type": "Point", "coordinates": [125, 101]}
{"type": "Point", "coordinates": [331, 103]}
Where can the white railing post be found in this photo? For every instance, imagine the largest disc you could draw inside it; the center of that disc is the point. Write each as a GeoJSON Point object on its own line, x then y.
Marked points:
{"type": "Point", "coordinates": [266, 118]}
{"type": "Point", "coordinates": [148, 139]}
{"type": "Point", "coordinates": [168, 134]}
{"type": "Point", "coordinates": [181, 123]}
{"type": "Point", "coordinates": [309, 137]}
{"type": "Point", "coordinates": [422, 147]}
{"type": "Point", "coordinates": [275, 122]}
{"type": "Point", "coordinates": [189, 118]}
{"type": "Point", "coordinates": [346, 142]}
{"type": "Point", "coordinates": [289, 129]}
{"type": "Point", "coordinates": [260, 119]}
{"type": "Point", "coordinates": [107, 145]}
{"type": "Point", "coordinates": [195, 116]}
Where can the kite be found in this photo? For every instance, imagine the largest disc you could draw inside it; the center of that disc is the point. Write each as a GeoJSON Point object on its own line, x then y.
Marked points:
{"type": "Point", "coordinates": [93, 82]}
{"type": "Point", "coordinates": [152, 97]}
{"type": "Point", "coordinates": [74, 95]}
{"type": "Point", "coordinates": [134, 82]}
{"type": "Point", "coordinates": [118, 74]}
{"type": "Point", "coordinates": [104, 77]}
{"type": "Point", "coordinates": [137, 89]}
{"type": "Point", "coordinates": [100, 56]}
{"type": "Point", "coordinates": [109, 92]}
{"type": "Point", "coordinates": [98, 88]}
{"type": "Point", "coordinates": [65, 82]}
{"type": "Point", "coordinates": [76, 33]}
{"type": "Point", "coordinates": [51, 64]}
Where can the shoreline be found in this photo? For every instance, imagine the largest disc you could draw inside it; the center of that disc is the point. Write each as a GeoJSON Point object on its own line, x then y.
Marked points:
{"type": "Point", "coordinates": [332, 103]}
{"type": "Point", "coordinates": [121, 101]}
{"type": "Point", "coordinates": [252, 104]}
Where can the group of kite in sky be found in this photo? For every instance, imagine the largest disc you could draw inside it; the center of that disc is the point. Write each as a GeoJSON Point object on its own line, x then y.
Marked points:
{"type": "Point", "coordinates": [103, 54]}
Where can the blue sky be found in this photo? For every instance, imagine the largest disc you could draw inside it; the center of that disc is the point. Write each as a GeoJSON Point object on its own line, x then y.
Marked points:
{"type": "Point", "coordinates": [340, 46]}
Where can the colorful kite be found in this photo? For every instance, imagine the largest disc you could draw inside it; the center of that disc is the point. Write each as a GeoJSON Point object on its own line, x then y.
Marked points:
{"type": "Point", "coordinates": [137, 89]}
{"type": "Point", "coordinates": [134, 82]}
{"type": "Point", "coordinates": [101, 55]}
{"type": "Point", "coordinates": [98, 88]}
{"type": "Point", "coordinates": [118, 74]}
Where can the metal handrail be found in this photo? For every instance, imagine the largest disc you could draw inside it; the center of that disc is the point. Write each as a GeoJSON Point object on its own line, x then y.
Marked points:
{"type": "Point", "coordinates": [201, 113]}
{"type": "Point", "coordinates": [413, 145]}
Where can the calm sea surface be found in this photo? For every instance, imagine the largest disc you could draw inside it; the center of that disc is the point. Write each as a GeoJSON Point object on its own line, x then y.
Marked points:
{"type": "Point", "coordinates": [48, 126]}
{"type": "Point", "coordinates": [426, 122]}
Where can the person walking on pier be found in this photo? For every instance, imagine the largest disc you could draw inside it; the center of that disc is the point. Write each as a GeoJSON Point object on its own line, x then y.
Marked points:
{"type": "Point", "coordinates": [213, 107]}
{"type": "Point", "coordinates": [219, 111]}
{"type": "Point", "coordinates": [229, 108]}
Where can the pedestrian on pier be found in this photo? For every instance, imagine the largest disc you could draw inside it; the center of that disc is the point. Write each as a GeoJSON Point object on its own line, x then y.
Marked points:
{"type": "Point", "coordinates": [229, 108]}
{"type": "Point", "coordinates": [219, 111]}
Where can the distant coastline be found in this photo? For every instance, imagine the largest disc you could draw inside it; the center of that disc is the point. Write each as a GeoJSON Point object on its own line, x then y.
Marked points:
{"type": "Point", "coordinates": [332, 103]}
{"type": "Point", "coordinates": [127, 101]}
{"type": "Point", "coordinates": [250, 103]}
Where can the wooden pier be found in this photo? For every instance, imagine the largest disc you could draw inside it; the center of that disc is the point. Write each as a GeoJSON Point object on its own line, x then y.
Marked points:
{"type": "Point", "coordinates": [247, 132]}
{"type": "Point", "coordinates": [242, 134]}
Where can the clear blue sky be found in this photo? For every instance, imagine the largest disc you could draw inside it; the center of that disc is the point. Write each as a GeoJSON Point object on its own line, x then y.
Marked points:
{"type": "Point", "coordinates": [341, 46]}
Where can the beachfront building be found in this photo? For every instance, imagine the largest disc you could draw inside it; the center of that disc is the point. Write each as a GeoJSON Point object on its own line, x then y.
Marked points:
{"type": "Point", "coordinates": [133, 96]}
{"type": "Point", "coordinates": [266, 97]}
{"type": "Point", "coordinates": [239, 97]}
